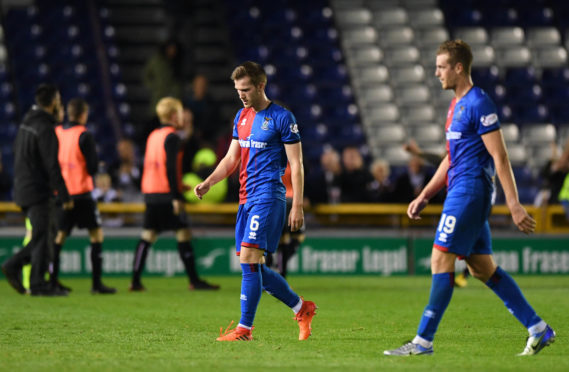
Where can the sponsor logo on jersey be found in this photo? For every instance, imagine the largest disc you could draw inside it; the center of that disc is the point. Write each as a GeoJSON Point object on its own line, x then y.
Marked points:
{"type": "Point", "coordinates": [252, 235]}
{"type": "Point", "coordinates": [243, 297]}
{"type": "Point", "coordinates": [249, 143]}
{"type": "Point", "coordinates": [265, 124]}
{"type": "Point", "coordinates": [451, 135]}
{"type": "Point", "coordinates": [489, 119]}
{"type": "Point", "coordinates": [244, 121]}
{"type": "Point", "coordinates": [294, 128]}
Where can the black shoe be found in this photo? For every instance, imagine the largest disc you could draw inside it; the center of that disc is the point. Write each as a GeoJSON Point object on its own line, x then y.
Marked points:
{"type": "Point", "coordinates": [48, 290]}
{"type": "Point", "coordinates": [203, 285]}
{"type": "Point", "coordinates": [103, 289]}
{"type": "Point", "coordinates": [62, 287]}
{"type": "Point", "coordinates": [136, 287]}
{"type": "Point", "coordinates": [14, 279]}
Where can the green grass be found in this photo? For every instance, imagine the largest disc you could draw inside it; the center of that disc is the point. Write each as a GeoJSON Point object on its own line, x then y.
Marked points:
{"type": "Point", "coordinates": [169, 328]}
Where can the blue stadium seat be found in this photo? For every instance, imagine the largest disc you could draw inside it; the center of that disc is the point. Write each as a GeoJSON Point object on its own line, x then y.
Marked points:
{"type": "Point", "coordinates": [520, 76]}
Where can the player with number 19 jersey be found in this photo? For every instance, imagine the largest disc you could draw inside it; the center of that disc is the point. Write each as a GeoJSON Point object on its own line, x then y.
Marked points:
{"type": "Point", "coordinates": [463, 228]}
{"type": "Point", "coordinates": [262, 202]}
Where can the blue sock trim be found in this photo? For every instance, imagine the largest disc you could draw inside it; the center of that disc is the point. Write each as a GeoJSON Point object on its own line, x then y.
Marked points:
{"type": "Point", "coordinates": [278, 287]}
{"type": "Point", "coordinates": [507, 289]}
{"type": "Point", "coordinates": [251, 289]}
{"type": "Point", "coordinates": [442, 287]}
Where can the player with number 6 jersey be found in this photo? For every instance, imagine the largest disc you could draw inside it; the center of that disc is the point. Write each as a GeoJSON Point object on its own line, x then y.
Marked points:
{"type": "Point", "coordinates": [265, 137]}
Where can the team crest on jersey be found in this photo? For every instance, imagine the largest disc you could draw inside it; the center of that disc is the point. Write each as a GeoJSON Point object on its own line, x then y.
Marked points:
{"type": "Point", "coordinates": [459, 113]}
{"type": "Point", "coordinates": [265, 124]}
{"type": "Point", "coordinates": [294, 128]}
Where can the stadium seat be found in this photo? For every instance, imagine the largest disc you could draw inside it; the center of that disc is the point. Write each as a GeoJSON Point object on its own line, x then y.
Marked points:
{"type": "Point", "coordinates": [554, 56]}
{"type": "Point", "coordinates": [472, 35]}
{"type": "Point", "coordinates": [507, 36]}
{"type": "Point", "coordinates": [513, 56]}
{"type": "Point", "coordinates": [373, 74]}
{"type": "Point", "coordinates": [359, 35]}
{"type": "Point", "coordinates": [401, 55]}
{"type": "Point", "coordinates": [383, 113]}
{"type": "Point", "coordinates": [376, 94]}
{"type": "Point", "coordinates": [511, 132]}
{"type": "Point", "coordinates": [396, 155]}
{"type": "Point", "coordinates": [485, 77]}
{"type": "Point", "coordinates": [427, 134]}
{"type": "Point", "coordinates": [421, 113]}
{"type": "Point", "coordinates": [501, 16]}
{"type": "Point", "coordinates": [517, 154]}
{"type": "Point", "coordinates": [407, 74]}
{"type": "Point", "coordinates": [396, 36]}
{"type": "Point", "coordinates": [431, 37]}
{"type": "Point", "coordinates": [484, 56]}
{"type": "Point", "coordinates": [413, 94]}
{"type": "Point", "coordinates": [539, 134]}
{"type": "Point", "coordinates": [366, 55]}
{"type": "Point", "coordinates": [539, 37]}
{"type": "Point", "coordinates": [520, 76]}
{"type": "Point", "coordinates": [387, 135]}
{"type": "Point", "coordinates": [353, 17]}
{"type": "Point", "coordinates": [389, 17]}
{"type": "Point", "coordinates": [426, 17]}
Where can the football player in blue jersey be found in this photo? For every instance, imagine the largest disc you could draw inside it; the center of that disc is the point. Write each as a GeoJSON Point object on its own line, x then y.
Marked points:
{"type": "Point", "coordinates": [475, 153]}
{"type": "Point", "coordinates": [265, 137]}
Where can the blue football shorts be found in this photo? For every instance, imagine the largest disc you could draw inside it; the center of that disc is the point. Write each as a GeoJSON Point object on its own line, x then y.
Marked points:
{"type": "Point", "coordinates": [463, 228]}
{"type": "Point", "coordinates": [260, 224]}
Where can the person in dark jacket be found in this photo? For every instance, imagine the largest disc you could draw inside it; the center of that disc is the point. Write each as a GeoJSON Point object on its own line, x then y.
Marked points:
{"type": "Point", "coordinates": [37, 179]}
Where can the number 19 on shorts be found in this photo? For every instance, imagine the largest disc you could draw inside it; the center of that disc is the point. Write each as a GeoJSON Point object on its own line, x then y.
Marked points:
{"type": "Point", "coordinates": [446, 227]}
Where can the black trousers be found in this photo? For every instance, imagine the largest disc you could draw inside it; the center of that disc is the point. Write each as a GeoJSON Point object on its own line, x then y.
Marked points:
{"type": "Point", "coordinates": [39, 251]}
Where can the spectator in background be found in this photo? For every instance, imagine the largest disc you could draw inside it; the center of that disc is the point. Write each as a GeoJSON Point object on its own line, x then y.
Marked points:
{"type": "Point", "coordinates": [5, 182]}
{"type": "Point", "coordinates": [409, 184]}
{"type": "Point", "coordinates": [207, 122]}
{"type": "Point", "coordinates": [162, 76]}
{"type": "Point", "coordinates": [190, 144]}
{"type": "Point", "coordinates": [552, 178]}
{"type": "Point", "coordinates": [325, 183]}
{"type": "Point", "coordinates": [354, 177]}
{"type": "Point", "coordinates": [103, 191]}
{"type": "Point", "coordinates": [380, 189]}
{"type": "Point", "coordinates": [126, 173]}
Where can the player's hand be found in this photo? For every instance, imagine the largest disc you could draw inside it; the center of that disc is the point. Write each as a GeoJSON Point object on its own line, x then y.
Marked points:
{"type": "Point", "coordinates": [522, 219]}
{"type": "Point", "coordinates": [177, 206]}
{"type": "Point", "coordinates": [296, 218]}
{"type": "Point", "coordinates": [416, 206]}
{"type": "Point", "coordinates": [68, 205]}
{"type": "Point", "coordinates": [201, 189]}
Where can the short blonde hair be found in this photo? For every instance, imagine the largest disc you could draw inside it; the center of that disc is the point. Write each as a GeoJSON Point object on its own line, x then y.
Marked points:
{"type": "Point", "coordinates": [166, 107]}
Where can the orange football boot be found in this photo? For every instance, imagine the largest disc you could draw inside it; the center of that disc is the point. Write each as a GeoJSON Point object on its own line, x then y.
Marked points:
{"type": "Point", "coordinates": [235, 334]}
{"type": "Point", "coordinates": [304, 319]}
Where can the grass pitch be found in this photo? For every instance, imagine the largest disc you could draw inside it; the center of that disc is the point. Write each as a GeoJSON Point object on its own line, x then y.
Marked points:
{"type": "Point", "coordinates": [169, 328]}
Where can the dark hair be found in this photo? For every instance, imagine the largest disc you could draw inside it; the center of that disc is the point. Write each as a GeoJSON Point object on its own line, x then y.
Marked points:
{"type": "Point", "coordinates": [253, 70]}
{"type": "Point", "coordinates": [458, 52]}
{"type": "Point", "coordinates": [76, 107]}
{"type": "Point", "coordinates": [45, 94]}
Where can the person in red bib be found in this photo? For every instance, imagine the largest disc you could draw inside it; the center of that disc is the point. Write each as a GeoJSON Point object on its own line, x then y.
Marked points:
{"type": "Point", "coordinates": [78, 161]}
{"type": "Point", "coordinates": [162, 189]}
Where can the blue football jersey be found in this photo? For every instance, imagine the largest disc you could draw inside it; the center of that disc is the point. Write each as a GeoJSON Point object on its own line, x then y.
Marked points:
{"type": "Point", "coordinates": [467, 120]}
{"type": "Point", "coordinates": [262, 136]}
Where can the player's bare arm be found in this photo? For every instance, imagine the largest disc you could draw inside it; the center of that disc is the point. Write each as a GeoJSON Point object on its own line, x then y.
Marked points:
{"type": "Point", "coordinates": [494, 142]}
{"type": "Point", "coordinates": [294, 155]}
{"type": "Point", "coordinates": [431, 189]}
{"type": "Point", "coordinates": [226, 167]}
